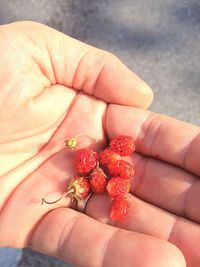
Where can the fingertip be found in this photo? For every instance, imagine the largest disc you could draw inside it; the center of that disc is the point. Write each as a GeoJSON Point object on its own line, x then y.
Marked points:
{"type": "Point", "coordinates": [117, 84]}
{"type": "Point", "coordinates": [147, 93]}
{"type": "Point", "coordinates": [135, 91]}
{"type": "Point", "coordinates": [175, 256]}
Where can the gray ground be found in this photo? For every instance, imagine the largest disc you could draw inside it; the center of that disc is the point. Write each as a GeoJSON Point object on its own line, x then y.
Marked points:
{"type": "Point", "coordinates": [158, 39]}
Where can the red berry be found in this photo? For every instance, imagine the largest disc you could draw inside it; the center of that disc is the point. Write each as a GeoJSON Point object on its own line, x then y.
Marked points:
{"type": "Point", "coordinates": [107, 156]}
{"type": "Point", "coordinates": [120, 207]}
{"type": "Point", "coordinates": [123, 145]}
{"type": "Point", "coordinates": [98, 181]}
{"type": "Point", "coordinates": [117, 186]}
{"type": "Point", "coordinates": [79, 187]}
{"type": "Point", "coordinates": [122, 169]}
{"type": "Point", "coordinates": [86, 160]}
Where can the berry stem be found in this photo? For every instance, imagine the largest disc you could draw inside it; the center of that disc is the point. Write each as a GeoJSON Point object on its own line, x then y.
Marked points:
{"type": "Point", "coordinates": [55, 201]}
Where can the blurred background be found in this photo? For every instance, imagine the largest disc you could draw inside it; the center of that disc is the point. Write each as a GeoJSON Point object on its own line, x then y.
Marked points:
{"type": "Point", "coordinates": [159, 40]}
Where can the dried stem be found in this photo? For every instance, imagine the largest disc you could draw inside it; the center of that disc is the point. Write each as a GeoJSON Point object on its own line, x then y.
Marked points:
{"type": "Point", "coordinates": [55, 201]}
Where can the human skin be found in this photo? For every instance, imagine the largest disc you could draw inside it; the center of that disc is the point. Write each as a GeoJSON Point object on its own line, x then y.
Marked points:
{"type": "Point", "coordinates": [53, 87]}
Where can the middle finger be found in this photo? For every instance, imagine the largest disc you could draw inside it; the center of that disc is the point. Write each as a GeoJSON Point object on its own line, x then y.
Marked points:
{"type": "Point", "coordinates": [166, 186]}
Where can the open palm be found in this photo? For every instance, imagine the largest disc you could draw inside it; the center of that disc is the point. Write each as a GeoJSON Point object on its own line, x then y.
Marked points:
{"type": "Point", "coordinates": [53, 87]}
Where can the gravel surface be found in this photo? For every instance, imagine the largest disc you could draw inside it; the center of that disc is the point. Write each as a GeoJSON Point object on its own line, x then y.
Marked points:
{"type": "Point", "coordinates": [33, 259]}
{"type": "Point", "coordinates": [159, 40]}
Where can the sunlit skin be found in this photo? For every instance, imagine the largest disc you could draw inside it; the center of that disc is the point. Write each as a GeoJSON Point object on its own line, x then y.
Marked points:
{"type": "Point", "coordinates": [52, 88]}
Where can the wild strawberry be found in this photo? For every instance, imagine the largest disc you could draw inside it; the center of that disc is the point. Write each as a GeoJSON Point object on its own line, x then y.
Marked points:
{"type": "Point", "coordinates": [121, 168]}
{"type": "Point", "coordinates": [98, 181]}
{"type": "Point", "coordinates": [120, 207]}
{"type": "Point", "coordinates": [117, 186]}
{"type": "Point", "coordinates": [123, 145]}
{"type": "Point", "coordinates": [107, 156]}
{"type": "Point", "coordinates": [78, 188]}
{"type": "Point", "coordinates": [85, 160]}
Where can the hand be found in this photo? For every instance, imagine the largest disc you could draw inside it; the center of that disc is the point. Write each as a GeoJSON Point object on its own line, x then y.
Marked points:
{"type": "Point", "coordinates": [41, 73]}
{"type": "Point", "coordinates": [166, 186]}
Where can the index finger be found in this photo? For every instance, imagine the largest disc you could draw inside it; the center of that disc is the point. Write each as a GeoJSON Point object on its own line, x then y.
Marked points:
{"type": "Point", "coordinates": [98, 73]}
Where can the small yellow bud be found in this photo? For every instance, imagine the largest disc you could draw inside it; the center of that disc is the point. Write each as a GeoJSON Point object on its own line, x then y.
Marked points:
{"type": "Point", "coordinates": [71, 143]}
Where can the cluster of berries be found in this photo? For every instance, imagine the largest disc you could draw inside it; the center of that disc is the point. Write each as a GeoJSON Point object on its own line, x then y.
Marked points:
{"type": "Point", "coordinates": [105, 172]}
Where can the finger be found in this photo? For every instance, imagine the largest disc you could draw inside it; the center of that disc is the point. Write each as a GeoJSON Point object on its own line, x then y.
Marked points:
{"type": "Point", "coordinates": [153, 221]}
{"type": "Point", "coordinates": [82, 241]}
{"type": "Point", "coordinates": [83, 67]}
{"type": "Point", "coordinates": [166, 186]}
{"type": "Point", "coordinates": [158, 136]}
